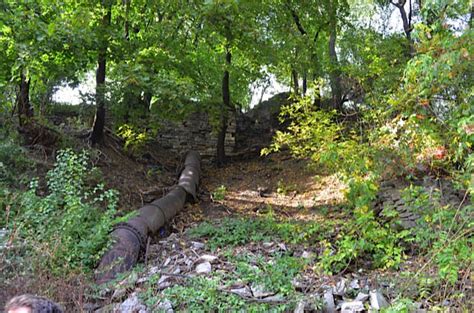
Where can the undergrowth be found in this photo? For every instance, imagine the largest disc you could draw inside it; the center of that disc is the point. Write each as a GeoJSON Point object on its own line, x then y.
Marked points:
{"type": "Point", "coordinates": [232, 232]}
{"type": "Point", "coordinates": [61, 229]}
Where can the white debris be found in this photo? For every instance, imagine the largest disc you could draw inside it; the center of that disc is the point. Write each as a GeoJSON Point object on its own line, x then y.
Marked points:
{"type": "Point", "coordinates": [197, 245]}
{"type": "Point", "coordinates": [329, 305]}
{"type": "Point", "coordinates": [377, 300]}
{"type": "Point", "coordinates": [208, 258]}
{"type": "Point", "coordinates": [300, 307]}
{"type": "Point", "coordinates": [165, 306]}
{"type": "Point", "coordinates": [306, 255]}
{"type": "Point", "coordinates": [259, 291]}
{"type": "Point", "coordinates": [353, 306]}
{"type": "Point", "coordinates": [204, 268]}
{"type": "Point", "coordinates": [267, 245]}
{"type": "Point", "coordinates": [243, 292]}
{"type": "Point", "coordinates": [354, 284]}
{"type": "Point", "coordinates": [340, 288]}
{"type": "Point", "coordinates": [132, 304]}
{"type": "Point", "coordinates": [362, 297]}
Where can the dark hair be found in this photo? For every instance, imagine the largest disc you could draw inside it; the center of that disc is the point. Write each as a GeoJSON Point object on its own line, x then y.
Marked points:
{"type": "Point", "coordinates": [35, 303]}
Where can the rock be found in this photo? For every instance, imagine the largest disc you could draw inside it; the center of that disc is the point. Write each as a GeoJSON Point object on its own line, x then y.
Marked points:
{"type": "Point", "coordinates": [340, 288]}
{"type": "Point", "coordinates": [167, 262]}
{"type": "Point", "coordinates": [107, 309]}
{"type": "Point", "coordinates": [362, 297]}
{"type": "Point", "coordinates": [273, 299]}
{"type": "Point", "coordinates": [243, 292]}
{"type": "Point", "coordinates": [119, 293]}
{"type": "Point", "coordinates": [329, 305]}
{"type": "Point", "coordinates": [306, 255]}
{"type": "Point", "coordinates": [204, 268]}
{"type": "Point", "coordinates": [259, 291]}
{"type": "Point", "coordinates": [208, 258]}
{"type": "Point", "coordinates": [267, 245]}
{"type": "Point", "coordinates": [353, 306]}
{"type": "Point", "coordinates": [300, 307]}
{"type": "Point", "coordinates": [377, 300]}
{"type": "Point", "coordinates": [354, 284]}
{"type": "Point", "coordinates": [165, 306]}
{"type": "Point", "coordinates": [197, 245]}
{"type": "Point", "coordinates": [132, 304]}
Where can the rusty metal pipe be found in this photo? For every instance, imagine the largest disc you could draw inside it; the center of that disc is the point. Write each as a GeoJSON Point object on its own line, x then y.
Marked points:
{"type": "Point", "coordinates": [130, 237]}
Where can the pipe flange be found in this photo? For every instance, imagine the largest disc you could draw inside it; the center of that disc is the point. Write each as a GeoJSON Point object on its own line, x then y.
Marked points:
{"type": "Point", "coordinates": [142, 239]}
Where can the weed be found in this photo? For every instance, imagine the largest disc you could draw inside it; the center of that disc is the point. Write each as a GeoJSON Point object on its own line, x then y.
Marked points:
{"type": "Point", "coordinates": [65, 229]}
{"type": "Point", "coordinates": [283, 189]}
{"type": "Point", "coordinates": [239, 231]}
{"type": "Point", "coordinates": [219, 193]}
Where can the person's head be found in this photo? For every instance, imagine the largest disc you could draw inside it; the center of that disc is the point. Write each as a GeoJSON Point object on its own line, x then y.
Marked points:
{"type": "Point", "coordinates": [31, 304]}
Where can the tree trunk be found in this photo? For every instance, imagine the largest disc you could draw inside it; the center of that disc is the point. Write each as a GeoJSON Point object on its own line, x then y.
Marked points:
{"type": "Point", "coordinates": [294, 78]}
{"type": "Point", "coordinates": [305, 83]}
{"type": "Point", "coordinates": [334, 72]}
{"type": "Point", "coordinates": [406, 20]}
{"type": "Point", "coordinates": [147, 100]}
{"type": "Point", "coordinates": [25, 111]}
{"type": "Point", "coordinates": [225, 109]}
{"type": "Point", "coordinates": [97, 135]}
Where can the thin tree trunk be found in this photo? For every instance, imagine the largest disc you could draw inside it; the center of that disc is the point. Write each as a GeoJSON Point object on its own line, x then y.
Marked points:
{"type": "Point", "coordinates": [97, 135]}
{"type": "Point", "coordinates": [225, 109]}
{"type": "Point", "coordinates": [25, 111]}
{"type": "Point", "coordinates": [294, 78]}
{"type": "Point", "coordinates": [334, 72]}
{"type": "Point", "coordinates": [406, 20]}
{"type": "Point", "coordinates": [305, 83]}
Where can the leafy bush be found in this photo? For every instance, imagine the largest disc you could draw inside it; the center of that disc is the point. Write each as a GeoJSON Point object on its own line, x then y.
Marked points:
{"type": "Point", "coordinates": [219, 193]}
{"type": "Point", "coordinates": [12, 161]}
{"type": "Point", "coordinates": [135, 138]}
{"type": "Point", "coordinates": [66, 228]}
{"type": "Point", "coordinates": [442, 230]}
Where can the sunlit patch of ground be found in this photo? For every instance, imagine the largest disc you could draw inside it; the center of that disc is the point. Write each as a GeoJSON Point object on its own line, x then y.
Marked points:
{"type": "Point", "coordinates": [286, 186]}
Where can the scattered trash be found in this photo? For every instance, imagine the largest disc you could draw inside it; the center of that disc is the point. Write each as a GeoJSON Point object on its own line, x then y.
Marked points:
{"type": "Point", "coordinates": [377, 300]}
{"type": "Point", "coordinates": [340, 288]}
{"type": "Point", "coordinates": [243, 292]}
{"type": "Point", "coordinates": [259, 291]}
{"type": "Point", "coordinates": [132, 304]}
{"type": "Point", "coordinates": [165, 306]}
{"type": "Point", "coordinates": [204, 268]}
{"type": "Point", "coordinates": [197, 245]}
{"type": "Point", "coordinates": [362, 297]}
{"type": "Point", "coordinates": [353, 306]}
{"type": "Point", "coordinates": [208, 258]}
{"type": "Point", "coordinates": [306, 255]}
{"type": "Point", "coordinates": [329, 305]}
{"type": "Point", "coordinates": [300, 307]}
{"type": "Point", "coordinates": [354, 284]}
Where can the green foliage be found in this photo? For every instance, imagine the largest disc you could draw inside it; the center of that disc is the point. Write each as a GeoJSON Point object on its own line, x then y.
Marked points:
{"type": "Point", "coordinates": [135, 139]}
{"type": "Point", "coordinates": [284, 189]}
{"type": "Point", "coordinates": [443, 230]}
{"type": "Point", "coordinates": [238, 231]}
{"type": "Point", "coordinates": [13, 162]}
{"type": "Point", "coordinates": [219, 193]}
{"type": "Point", "coordinates": [65, 228]}
{"type": "Point", "coordinates": [275, 276]}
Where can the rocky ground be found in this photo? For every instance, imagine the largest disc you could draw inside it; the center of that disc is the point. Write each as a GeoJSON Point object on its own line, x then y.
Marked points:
{"type": "Point", "coordinates": [252, 242]}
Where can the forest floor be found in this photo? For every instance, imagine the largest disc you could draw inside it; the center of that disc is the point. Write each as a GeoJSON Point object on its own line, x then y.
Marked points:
{"type": "Point", "coordinates": [252, 241]}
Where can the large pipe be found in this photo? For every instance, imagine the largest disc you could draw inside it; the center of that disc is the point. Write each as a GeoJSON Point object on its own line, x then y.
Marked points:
{"type": "Point", "coordinates": [130, 237]}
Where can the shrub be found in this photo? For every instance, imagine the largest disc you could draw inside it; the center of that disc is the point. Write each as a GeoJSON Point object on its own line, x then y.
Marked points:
{"type": "Point", "coordinates": [66, 228]}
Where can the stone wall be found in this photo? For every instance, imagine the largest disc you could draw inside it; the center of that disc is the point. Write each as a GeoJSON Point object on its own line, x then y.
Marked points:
{"type": "Point", "coordinates": [195, 133]}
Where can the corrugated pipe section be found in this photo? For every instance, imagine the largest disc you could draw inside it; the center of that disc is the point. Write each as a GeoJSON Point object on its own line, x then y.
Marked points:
{"type": "Point", "coordinates": [130, 237]}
